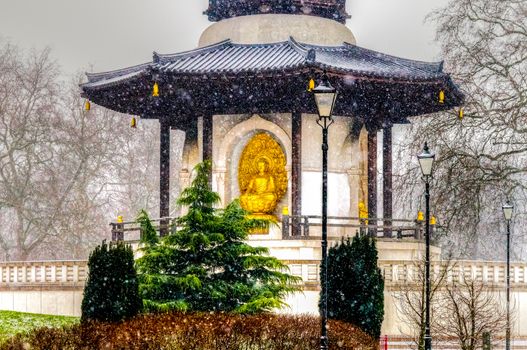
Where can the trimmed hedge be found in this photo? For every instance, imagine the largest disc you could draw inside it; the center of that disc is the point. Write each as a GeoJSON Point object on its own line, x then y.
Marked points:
{"type": "Point", "coordinates": [204, 331]}
{"type": "Point", "coordinates": [111, 293]}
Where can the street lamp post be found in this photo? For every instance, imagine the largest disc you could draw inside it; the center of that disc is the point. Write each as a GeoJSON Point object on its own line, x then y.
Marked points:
{"type": "Point", "coordinates": [508, 208]}
{"type": "Point", "coordinates": [325, 96]}
{"type": "Point", "coordinates": [426, 162]}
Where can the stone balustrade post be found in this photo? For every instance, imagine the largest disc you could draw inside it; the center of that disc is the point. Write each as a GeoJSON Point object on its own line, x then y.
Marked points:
{"type": "Point", "coordinates": [64, 273]}
{"type": "Point", "coordinates": [395, 273]}
{"type": "Point", "coordinates": [75, 273]}
{"type": "Point", "coordinates": [485, 273]}
{"type": "Point", "coordinates": [42, 273]}
{"type": "Point", "coordinates": [24, 274]}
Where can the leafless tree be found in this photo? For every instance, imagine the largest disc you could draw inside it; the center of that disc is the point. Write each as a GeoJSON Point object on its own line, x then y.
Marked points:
{"type": "Point", "coordinates": [470, 308]}
{"type": "Point", "coordinates": [481, 158]}
{"type": "Point", "coordinates": [410, 299]}
{"type": "Point", "coordinates": [64, 172]}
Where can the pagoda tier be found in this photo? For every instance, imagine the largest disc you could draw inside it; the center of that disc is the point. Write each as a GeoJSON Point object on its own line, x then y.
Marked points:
{"type": "Point", "coordinates": [222, 9]}
{"type": "Point", "coordinates": [228, 78]}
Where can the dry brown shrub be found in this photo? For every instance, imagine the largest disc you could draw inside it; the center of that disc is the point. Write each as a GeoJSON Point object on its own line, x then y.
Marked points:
{"type": "Point", "coordinates": [197, 331]}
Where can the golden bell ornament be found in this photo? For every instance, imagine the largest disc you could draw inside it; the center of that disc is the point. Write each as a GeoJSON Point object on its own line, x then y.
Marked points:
{"type": "Point", "coordinates": [441, 96]}
{"type": "Point", "coordinates": [155, 90]}
{"type": "Point", "coordinates": [87, 105]}
{"type": "Point", "coordinates": [363, 211]}
{"type": "Point", "coordinates": [433, 220]}
{"type": "Point", "coordinates": [311, 85]}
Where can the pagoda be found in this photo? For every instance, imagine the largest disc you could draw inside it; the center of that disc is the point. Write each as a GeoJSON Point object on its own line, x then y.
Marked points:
{"type": "Point", "coordinates": [243, 99]}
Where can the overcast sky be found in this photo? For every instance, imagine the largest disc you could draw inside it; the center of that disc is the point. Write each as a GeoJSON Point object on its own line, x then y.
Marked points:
{"type": "Point", "coordinates": [108, 34]}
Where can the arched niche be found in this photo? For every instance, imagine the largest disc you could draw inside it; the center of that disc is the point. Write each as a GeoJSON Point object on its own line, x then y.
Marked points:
{"type": "Point", "coordinates": [225, 171]}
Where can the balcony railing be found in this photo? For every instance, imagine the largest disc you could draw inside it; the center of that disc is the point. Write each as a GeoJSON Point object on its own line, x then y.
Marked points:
{"type": "Point", "coordinates": [300, 227]}
{"type": "Point", "coordinates": [309, 227]}
{"type": "Point", "coordinates": [130, 231]}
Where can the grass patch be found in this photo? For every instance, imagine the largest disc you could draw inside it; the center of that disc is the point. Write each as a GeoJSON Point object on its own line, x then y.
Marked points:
{"type": "Point", "coordinates": [12, 322]}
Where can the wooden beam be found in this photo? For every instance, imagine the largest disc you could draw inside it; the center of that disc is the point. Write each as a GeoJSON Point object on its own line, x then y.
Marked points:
{"type": "Point", "coordinates": [207, 142]}
{"type": "Point", "coordinates": [372, 176]}
{"type": "Point", "coordinates": [207, 137]}
{"type": "Point", "coordinates": [296, 170]}
{"type": "Point", "coordinates": [164, 171]}
{"type": "Point", "coordinates": [387, 182]}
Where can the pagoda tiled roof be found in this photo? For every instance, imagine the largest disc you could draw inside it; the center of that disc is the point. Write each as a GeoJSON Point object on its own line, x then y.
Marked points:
{"type": "Point", "coordinates": [232, 78]}
{"type": "Point", "coordinates": [227, 57]}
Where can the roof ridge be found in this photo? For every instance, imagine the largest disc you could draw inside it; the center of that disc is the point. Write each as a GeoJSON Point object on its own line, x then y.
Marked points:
{"type": "Point", "coordinates": [438, 65]}
{"type": "Point", "coordinates": [325, 47]}
{"type": "Point", "coordinates": [300, 48]}
{"type": "Point", "coordinates": [277, 43]}
{"type": "Point", "coordinates": [163, 58]}
{"type": "Point", "coordinates": [93, 77]}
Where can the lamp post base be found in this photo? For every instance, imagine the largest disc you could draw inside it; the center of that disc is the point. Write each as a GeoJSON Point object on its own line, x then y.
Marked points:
{"type": "Point", "coordinates": [428, 342]}
{"type": "Point", "coordinates": [323, 343]}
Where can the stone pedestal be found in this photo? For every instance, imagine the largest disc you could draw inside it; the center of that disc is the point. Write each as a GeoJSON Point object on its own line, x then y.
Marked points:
{"type": "Point", "coordinates": [272, 28]}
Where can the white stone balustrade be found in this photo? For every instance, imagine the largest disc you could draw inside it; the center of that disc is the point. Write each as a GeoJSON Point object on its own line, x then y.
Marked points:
{"type": "Point", "coordinates": [48, 273]}
{"type": "Point", "coordinates": [61, 273]}
{"type": "Point", "coordinates": [400, 272]}
{"type": "Point", "coordinates": [56, 287]}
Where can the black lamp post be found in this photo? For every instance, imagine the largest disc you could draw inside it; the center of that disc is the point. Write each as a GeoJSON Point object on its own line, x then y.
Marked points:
{"type": "Point", "coordinates": [426, 162]}
{"type": "Point", "coordinates": [325, 96]}
{"type": "Point", "coordinates": [508, 208]}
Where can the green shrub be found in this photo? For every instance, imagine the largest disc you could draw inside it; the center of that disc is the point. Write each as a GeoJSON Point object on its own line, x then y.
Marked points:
{"type": "Point", "coordinates": [356, 285]}
{"type": "Point", "coordinates": [207, 265]}
{"type": "Point", "coordinates": [207, 331]}
{"type": "Point", "coordinates": [111, 291]}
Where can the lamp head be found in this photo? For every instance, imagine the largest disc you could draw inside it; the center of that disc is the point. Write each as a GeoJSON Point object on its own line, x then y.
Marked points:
{"type": "Point", "coordinates": [426, 161]}
{"type": "Point", "coordinates": [325, 96]}
{"type": "Point", "coordinates": [508, 209]}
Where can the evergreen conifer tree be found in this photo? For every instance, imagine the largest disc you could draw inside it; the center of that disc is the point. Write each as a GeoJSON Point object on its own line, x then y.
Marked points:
{"type": "Point", "coordinates": [355, 284]}
{"type": "Point", "coordinates": [206, 265]}
{"type": "Point", "coordinates": [111, 293]}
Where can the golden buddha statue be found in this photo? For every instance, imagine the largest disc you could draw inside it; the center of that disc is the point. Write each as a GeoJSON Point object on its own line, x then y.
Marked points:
{"type": "Point", "coordinates": [260, 197]}
{"type": "Point", "coordinates": [262, 176]}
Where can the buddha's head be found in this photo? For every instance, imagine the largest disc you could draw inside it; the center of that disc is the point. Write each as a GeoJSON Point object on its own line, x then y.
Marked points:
{"type": "Point", "coordinates": [262, 166]}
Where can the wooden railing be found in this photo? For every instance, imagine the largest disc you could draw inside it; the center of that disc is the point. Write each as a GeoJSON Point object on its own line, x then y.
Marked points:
{"type": "Point", "coordinates": [59, 273]}
{"type": "Point", "coordinates": [298, 227]}
{"type": "Point", "coordinates": [309, 227]}
{"type": "Point", "coordinates": [130, 231]}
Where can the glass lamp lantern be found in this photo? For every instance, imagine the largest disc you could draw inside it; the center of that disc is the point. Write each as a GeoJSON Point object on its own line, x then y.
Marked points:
{"type": "Point", "coordinates": [325, 96]}
{"type": "Point", "coordinates": [508, 208]}
{"type": "Point", "coordinates": [426, 161]}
